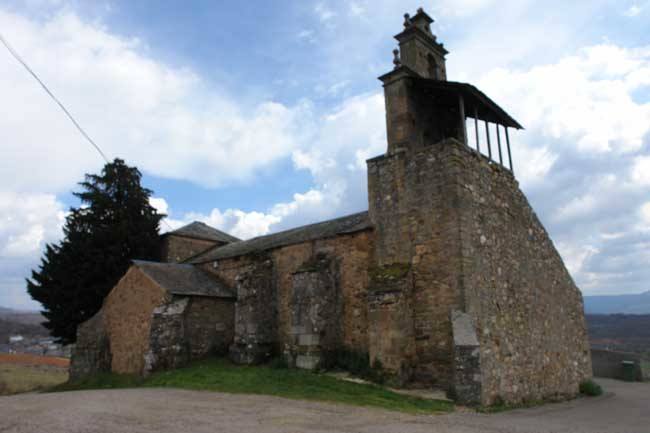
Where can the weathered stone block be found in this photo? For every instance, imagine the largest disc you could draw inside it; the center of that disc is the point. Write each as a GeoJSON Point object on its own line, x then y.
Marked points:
{"type": "Point", "coordinates": [307, 362]}
{"type": "Point", "coordinates": [467, 360]}
{"type": "Point", "coordinates": [168, 345]}
{"type": "Point", "coordinates": [256, 314]}
{"type": "Point", "coordinates": [308, 340]}
{"type": "Point", "coordinates": [92, 352]}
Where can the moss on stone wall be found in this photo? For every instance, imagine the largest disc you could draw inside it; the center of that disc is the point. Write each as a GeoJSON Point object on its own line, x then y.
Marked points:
{"type": "Point", "coordinates": [317, 263]}
{"type": "Point", "coordinates": [389, 273]}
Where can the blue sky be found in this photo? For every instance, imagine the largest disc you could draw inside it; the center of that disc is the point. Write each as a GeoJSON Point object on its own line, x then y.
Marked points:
{"type": "Point", "coordinates": [258, 116]}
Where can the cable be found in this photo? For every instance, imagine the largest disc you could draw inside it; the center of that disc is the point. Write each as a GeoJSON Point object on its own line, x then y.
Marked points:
{"type": "Point", "coordinates": [33, 74]}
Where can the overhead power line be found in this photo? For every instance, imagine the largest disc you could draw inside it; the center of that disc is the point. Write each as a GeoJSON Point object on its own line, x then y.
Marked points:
{"type": "Point", "coordinates": [33, 74]}
{"type": "Point", "coordinates": [67, 113]}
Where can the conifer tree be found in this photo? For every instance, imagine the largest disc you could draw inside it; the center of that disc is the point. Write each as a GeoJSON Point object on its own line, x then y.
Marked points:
{"type": "Point", "coordinates": [113, 225]}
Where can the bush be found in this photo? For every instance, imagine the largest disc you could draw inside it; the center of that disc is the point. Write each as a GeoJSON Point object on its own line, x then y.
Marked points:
{"type": "Point", "coordinates": [590, 388]}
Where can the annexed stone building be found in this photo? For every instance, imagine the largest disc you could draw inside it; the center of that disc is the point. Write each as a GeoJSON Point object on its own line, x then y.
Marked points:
{"type": "Point", "coordinates": [190, 240]}
{"type": "Point", "coordinates": [449, 279]}
{"type": "Point", "coordinates": [158, 316]}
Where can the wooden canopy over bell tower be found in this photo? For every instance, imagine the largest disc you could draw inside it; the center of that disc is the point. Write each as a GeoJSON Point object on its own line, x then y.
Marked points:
{"type": "Point", "coordinates": [423, 108]}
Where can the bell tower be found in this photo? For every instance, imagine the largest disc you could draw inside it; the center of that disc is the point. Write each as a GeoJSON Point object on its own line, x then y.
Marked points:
{"type": "Point", "coordinates": [419, 48]}
{"type": "Point", "coordinates": [420, 205]}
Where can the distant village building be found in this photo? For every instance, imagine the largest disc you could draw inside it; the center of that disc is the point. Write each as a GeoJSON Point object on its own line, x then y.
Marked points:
{"type": "Point", "coordinates": [449, 279]}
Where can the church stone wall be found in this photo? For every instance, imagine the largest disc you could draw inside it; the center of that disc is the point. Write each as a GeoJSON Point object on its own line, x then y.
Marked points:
{"type": "Point", "coordinates": [175, 249]}
{"type": "Point", "coordinates": [209, 324]}
{"type": "Point", "coordinates": [188, 328]}
{"type": "Point", "coordinates": [271, 274]}
{"type": "Point", "coordinates": [414, 208]}
{"type": "Point", "coordinates": [528, 311]}
{"type": "Point", "coordinates": [127, 314]}
{"type": "Point", "coordinates": [454, 233]}
{"type": "Point", "coordinates": [92, 351]}
{"type": "Point", "coordinates": [168, 348]}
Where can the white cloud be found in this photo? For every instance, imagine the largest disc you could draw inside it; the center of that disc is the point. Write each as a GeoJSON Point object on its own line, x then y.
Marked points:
{"type": "Point", "coordinates": [645, 216]}
{"type": "Point", "coordinates": [575, 256]}
{"type": "Point", "coordinates": [246, 225]}
{"type": "Point", "coordinates": [641, 170]}
{"type": "Point", "coordinates": [166, 120]}
{"type": "Point", "coordinates": [577, 208]}
{"type": "Point", "coordinates": [586, 98]}
{"type": "Point", "coordinates": [160, 204]}
{"type": "Point", "coordinates": [306, 35]}
{"type": "Point", "coordinates": [236, 222]}
{"type": "Point", "coordinates": [323, 12]}
{"type": "Point", "coordinates": [353, 130]}
{"type": "Point", "coordinates": [27, 222]}
{"type": "Point", "coordinates": [357, 9]}
{"type": "Point", "coordinates": [534, 162]}
{"type": "Point", "coordinates": [633, 11]}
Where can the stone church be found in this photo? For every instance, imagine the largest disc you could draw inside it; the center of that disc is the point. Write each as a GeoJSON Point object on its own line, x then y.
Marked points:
{"type": "Point", "coordinates": [449, 279]}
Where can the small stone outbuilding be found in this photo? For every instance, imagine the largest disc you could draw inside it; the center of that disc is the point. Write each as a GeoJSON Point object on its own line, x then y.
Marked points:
{"type": "Point", "coordinates": [158, 316]}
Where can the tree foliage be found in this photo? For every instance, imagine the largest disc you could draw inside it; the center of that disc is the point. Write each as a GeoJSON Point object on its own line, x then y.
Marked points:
{"type": "Point", "coordinates": [113, 225]}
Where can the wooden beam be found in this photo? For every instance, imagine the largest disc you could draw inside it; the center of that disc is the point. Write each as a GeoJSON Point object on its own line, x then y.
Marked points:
{"type": "Point", "coordinates": [509, 153]}
{"type": "Point", "coordinates": [461, 106]}
{"type": "Point", "coordinates": [499, 144]}
{"type": "Point", "coordinates": [487, 134]}
{"type": "Point", "coordinates": [478, 144]}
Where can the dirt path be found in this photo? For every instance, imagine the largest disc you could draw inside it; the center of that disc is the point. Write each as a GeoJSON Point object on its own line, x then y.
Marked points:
{"type": "Point", "coordinates": [168, 410]}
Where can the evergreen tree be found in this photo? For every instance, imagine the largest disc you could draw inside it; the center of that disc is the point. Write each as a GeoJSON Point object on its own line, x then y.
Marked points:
{"type": "Point", "coordinates": [114, 224]}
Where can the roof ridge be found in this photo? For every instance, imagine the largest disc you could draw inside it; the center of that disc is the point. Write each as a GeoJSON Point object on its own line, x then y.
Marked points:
{"type": "Point", "coordinates": [340, 225]}
{"type": "Point", "coordinates": [202, 230]}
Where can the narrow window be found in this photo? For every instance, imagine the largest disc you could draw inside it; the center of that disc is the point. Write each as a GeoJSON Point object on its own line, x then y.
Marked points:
{"type": "Point", "coordinates": [432, 67]}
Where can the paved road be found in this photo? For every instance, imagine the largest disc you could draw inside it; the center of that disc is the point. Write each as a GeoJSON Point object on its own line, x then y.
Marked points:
{"type": "Point", "coordinates": [625, 409]}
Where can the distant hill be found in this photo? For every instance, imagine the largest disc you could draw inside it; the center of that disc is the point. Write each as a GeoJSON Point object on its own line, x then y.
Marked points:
{"type": "Point", "coordinates": [27, 330]}
{"type": "Point", "coordinates": [623, 332]}
{"type": "Point", "coordinates": [618, 304]}
{"type": "Point", "coordinates": [25, 323]}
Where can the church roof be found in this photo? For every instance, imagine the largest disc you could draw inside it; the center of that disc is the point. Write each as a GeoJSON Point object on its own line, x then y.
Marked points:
{"type": "Point", "coordinates": [201, 230]}
{"type": "Point", "coordinates": [326, 229]}
{"type": "Point", "coordinates": [184, 280]}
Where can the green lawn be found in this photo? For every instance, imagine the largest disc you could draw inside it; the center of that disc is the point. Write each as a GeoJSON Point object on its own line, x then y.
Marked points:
{"type": "Point", "coordinates": [221, 375]}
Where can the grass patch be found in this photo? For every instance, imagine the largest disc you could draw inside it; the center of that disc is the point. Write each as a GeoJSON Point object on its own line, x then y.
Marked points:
{"type": "Point", "coordinates": [223, 376]}
{"type": "Point", "coordinates": [590, 388]}
{"type": "Point", "coordinates": [16, 378]}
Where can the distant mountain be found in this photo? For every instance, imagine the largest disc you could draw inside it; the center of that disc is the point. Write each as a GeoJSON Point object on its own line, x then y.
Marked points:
{"type": "Point", "coordinates": [17, 322]}
{"type": "Point", "coordinates": [622, 332]}
{"type": "Point", "coordinates": [618, 304]}
{"type": "Point", "coordinates": [21, 316]}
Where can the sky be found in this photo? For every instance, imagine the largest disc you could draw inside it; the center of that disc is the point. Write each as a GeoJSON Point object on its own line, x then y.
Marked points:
{"type": "Point", "coordinates": [258, 116]}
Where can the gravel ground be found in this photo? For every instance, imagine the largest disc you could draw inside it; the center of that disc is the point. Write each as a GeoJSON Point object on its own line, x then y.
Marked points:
{"type": "Point", "coordinates": [624, 408]}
